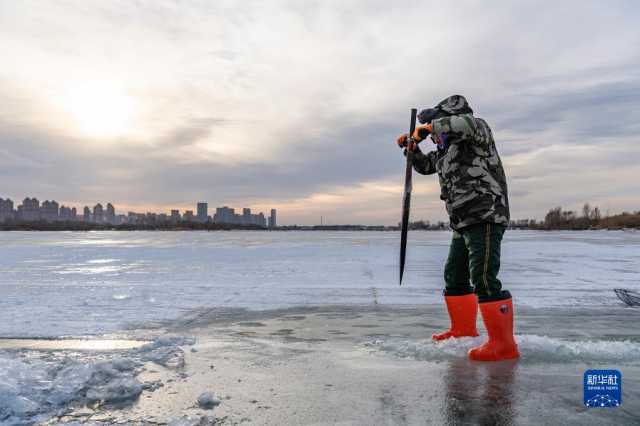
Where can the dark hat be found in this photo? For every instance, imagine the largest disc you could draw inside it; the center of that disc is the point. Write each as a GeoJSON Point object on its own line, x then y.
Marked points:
{"type": "Point", "coordinates": [453, 105]}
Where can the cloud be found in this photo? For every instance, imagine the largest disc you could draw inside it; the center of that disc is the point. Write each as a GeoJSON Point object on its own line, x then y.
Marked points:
{"type": "Point", "coordinates": [296, 105]}
{"type": "Point", "coordinates": [189, 133]}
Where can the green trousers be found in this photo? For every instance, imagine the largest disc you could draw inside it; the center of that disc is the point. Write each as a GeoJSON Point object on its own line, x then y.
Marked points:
{"type": "Point", "coordinates": [474, 261]}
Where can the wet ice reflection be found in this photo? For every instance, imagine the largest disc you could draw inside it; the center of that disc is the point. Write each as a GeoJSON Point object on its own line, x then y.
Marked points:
{"type": "Point", "coordinates": [479, 393]}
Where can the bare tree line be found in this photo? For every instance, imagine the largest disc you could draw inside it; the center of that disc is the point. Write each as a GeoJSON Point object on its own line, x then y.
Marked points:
{"type": "Point", "coordinates": [589, 218]}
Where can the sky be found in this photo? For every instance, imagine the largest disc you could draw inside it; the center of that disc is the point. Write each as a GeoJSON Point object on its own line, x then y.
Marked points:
{"type": "Point", "coordinates": [295, 105]}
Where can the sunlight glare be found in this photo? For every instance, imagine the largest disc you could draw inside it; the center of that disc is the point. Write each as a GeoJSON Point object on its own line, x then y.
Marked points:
{"type": "Point", "coordinates": [99, 109]}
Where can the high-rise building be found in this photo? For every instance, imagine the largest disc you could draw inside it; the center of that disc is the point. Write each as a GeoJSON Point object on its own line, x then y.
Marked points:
{"type": "Point", "coordinates": [110, 216]}
{"type": "Point", "coordinates": [6, 209]}
{"type": "Point", "coordinates": [98, 213]}
{"type": "Point", "coordinates": [228, 215]}
{"type": "Point", "coordinates": [188, 216]}
{"type": "Point", "coordinates": [86, 214]}
{"type": "Point", "coordinates": [29, 210]}
{"type": "Point", "coordinates": [261, 221]}
{"type": "Point", "coordinates": [64, 213]}
{"type": "Point", "coordinates": [202, 212]}
{"type": "Point", "coordinates": [272, 219]}
{"type": "Point", "coordinates": [49, 211]}
{"type": "Point", "coordinates": [225, 215]}
{"type": "Point", "coordinates": [67, 213]}
{"type": "Point", "coordinates": [135, 218]}
{"type": "Point", "coordinates": [175, 216]}
{"type": "Point", "coordinates": [151, 218]}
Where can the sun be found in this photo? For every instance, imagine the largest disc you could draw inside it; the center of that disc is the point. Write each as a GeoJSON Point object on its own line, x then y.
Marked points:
{"type": "Point", "coordinates": [99, 109]}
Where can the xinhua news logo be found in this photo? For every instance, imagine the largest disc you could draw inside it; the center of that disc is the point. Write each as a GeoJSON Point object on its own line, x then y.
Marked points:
{"type": "Point", "coordinates": [602, 388]}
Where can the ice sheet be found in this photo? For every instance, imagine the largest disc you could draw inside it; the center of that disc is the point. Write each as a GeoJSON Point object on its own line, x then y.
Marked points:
{"type": "Point", "coordinates": [66, 283]}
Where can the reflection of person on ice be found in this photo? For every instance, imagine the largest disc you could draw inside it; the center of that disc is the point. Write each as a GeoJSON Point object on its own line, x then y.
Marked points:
{"type": "Point", "coordinates": [474, 188]}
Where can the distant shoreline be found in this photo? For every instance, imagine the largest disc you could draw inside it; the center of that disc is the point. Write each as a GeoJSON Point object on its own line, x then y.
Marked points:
{"type": "Point", "coordinates": [182, 226]}
{"type": "Point", "coordinates": [86, 227]}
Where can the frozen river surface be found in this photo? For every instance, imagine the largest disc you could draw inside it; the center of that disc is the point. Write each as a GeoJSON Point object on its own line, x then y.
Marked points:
{"type": "Point", "coordinates": [77, 283]}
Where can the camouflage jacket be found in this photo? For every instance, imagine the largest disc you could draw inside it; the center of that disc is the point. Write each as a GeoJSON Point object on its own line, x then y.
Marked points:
{"type": "Point", "coordinates": [472, 181]}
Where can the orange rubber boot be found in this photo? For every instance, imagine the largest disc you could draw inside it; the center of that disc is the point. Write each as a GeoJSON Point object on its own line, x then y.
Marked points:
{"type": "Point", "coordinates": [498, 319]}
{"type": "Point", "coordinates": [463, 312]}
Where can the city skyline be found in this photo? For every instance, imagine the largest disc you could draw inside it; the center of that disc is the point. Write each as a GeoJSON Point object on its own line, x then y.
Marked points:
{"type": "Point", "coordinates": [297, 108]}
{"type": "Point", "coordinates": [32, 209]}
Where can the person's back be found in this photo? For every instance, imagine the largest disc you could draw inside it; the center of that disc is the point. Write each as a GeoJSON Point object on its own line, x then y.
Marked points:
{"type": "Point", "coordinates": [472, 180]}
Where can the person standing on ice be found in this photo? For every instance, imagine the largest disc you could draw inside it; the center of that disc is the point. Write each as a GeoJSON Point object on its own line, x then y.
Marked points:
{"type": "Point", "coordinates": [474, 188]}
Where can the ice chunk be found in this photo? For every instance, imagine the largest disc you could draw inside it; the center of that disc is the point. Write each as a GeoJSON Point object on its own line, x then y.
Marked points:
{"type": "Point", "coordinates": [207, 401]}
{"type": "Point", "coordinates": [41, 384]}
{"type": "Point", "coordinates": [16, 405]}
{"type": "Point", "coordinates": [120, 390]}
{"type": "Point", "coordinates": [123, 364]}
{"type": "Point", "coordinates": [68, 383]}
{"type": "Point", "coordinates": [169, 341]}
{"type": "Point", "coordinates": [166, 351]}
{"type": "Point", "coordinates": [32, 387]}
